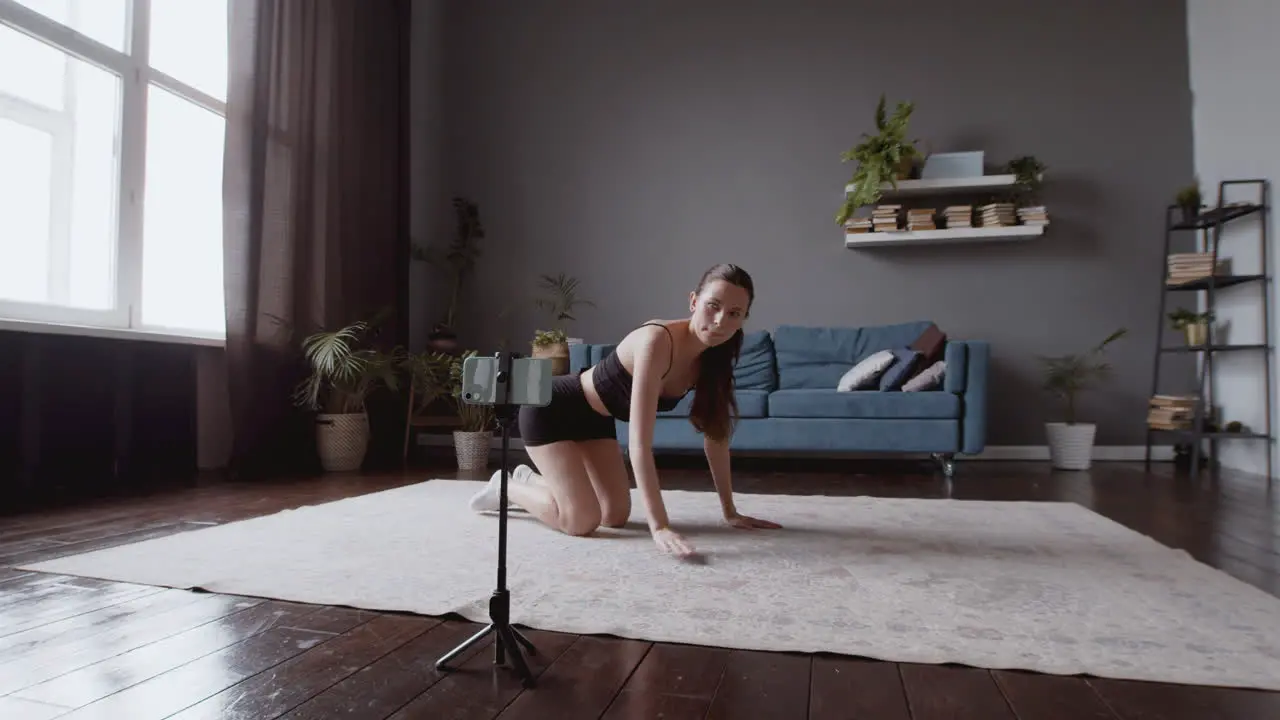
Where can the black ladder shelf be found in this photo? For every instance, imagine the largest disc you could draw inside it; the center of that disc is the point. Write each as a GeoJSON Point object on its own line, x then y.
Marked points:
{"type": "Point", "coordinates": [1208, 226]}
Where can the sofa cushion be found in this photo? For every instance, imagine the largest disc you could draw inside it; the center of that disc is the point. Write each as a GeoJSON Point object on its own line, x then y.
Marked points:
{"type": "Point", "coordinates": [928, 379]}
{"type": "Point", "coordinates": [817, 357]}
{"type": "Point", "coordinates": [829, 403]}
{"type": "Point", "coordinates": [903, 367]}
{"type": "Point", "coordinates": [864, 375]}
{"type": "Point", "coordinates": [930, 344]}
{"type": "Point", "coordinates": [751, 404]}
{"type": "Point", "coordinates": [756, 368]}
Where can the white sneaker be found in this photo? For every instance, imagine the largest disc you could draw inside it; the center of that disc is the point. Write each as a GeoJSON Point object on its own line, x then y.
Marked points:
{"type": "Point", "coordinates": [488, 500]}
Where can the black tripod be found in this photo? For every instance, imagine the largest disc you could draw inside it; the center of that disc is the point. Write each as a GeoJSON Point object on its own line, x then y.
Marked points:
{"type": "Point", "coordinates": [509, 639]}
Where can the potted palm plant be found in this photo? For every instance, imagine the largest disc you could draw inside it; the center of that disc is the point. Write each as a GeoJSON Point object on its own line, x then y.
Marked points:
{"type": "Point", "coordinates": [886, 156]}
{"type": "Point", "coordinates": [1071, 441]}
{"type": "Point", "coordinates": [459, 260]}
{"type": "Point", "coordinates": [344, 371]}
{"type": "Point", "coordinates": [560, 301]}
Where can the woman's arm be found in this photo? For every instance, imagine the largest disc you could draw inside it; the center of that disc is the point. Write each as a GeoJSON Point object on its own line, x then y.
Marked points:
{"type": "Point", "coordinates": [653, 348]}
{"type": "Point", "coordinates": [718, 459]}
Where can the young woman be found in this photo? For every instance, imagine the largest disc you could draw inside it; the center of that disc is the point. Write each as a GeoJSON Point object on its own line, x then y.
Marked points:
{"type": "Point", "coordinates": [581, 481]}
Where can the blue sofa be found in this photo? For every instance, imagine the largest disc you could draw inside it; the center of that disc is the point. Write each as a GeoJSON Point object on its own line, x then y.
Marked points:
{"type": "Point", "coordinates": [787, 398]}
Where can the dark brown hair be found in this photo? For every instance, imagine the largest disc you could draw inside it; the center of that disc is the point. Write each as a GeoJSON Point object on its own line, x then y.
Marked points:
{"type": "Point", "coordinates": [714, 408]}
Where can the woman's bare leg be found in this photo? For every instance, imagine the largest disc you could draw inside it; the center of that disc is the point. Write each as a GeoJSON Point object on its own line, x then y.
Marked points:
{"type": "Point", "coordinates": [562, 497]}
{"type": "Point", "coordinates": [609, 480]}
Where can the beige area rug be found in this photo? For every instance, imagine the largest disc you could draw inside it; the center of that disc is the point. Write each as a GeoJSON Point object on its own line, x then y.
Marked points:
{"type": "Point", "coordinates": [1049, 587]}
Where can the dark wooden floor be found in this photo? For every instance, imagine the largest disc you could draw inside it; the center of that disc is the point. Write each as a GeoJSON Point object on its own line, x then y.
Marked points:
{"type": "Point", "coordinates": [76, 648]}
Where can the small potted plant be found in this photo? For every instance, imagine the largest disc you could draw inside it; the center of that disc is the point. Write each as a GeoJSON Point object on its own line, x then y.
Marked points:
{"type": "Point", "coordinates": [886, 156]}
{"type": "Point", "coordinates": [1028, 175]}
{"type": "Point", "coordinates": [344, 371]}
{"type": "Point", "coordinates": [1071, 441]}
{"type": "Point", "coordinates": [1189, 201]}
{"type": "Point", "coordinates": [458, 259]}
{"type": "Point", "coordinates": [1194, 325]}
{"type": "Point", "coordinates": [560, 300]}
{"type": "Point", "coordinates": [470, 441]}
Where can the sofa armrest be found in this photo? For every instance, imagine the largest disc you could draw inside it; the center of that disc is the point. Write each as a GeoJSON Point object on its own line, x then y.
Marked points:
{"type": "Point", "coordinates": [968, 362]}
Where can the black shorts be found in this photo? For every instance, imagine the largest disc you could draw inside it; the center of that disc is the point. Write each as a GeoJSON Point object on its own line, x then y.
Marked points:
{"type": "Point", "coordinates": [568, 416]}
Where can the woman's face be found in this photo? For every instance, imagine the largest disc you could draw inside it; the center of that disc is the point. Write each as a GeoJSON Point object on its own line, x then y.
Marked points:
{"type": "Point", "coordinates": [718, 311]}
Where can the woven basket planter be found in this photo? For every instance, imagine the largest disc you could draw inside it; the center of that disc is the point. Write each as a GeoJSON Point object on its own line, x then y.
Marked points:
{"type": "Point", "coordinates": [1071, 446]}
{"type": "Point", "coordinates": [342, 440]}
{"type": "Point", "coordinates": [558, 353]}
{"type": "Point", "coordinates": [472, 449]}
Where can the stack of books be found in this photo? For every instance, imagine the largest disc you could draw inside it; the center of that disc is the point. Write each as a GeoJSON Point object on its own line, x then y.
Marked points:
{"type": "Point", "coordinates": [959, 216]}
{"type": "Point", "coordinates": [921, 219]}
{"type": "Point", "coordinates": [885, 217]}
{"type": "Point", "coordinates": [1033, 215]}
{"type": "Point", "coordinates": [1186, 267]}
{"type": "Point", "coordinates": [1171, 412]}
{"type": "Point", "coordinates": [997, 214]}
{"type": "Point", "coordinates": [858, 225]}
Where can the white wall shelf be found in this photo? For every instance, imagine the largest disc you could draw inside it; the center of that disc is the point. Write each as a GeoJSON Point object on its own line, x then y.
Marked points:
{"type": "Point", "coordinates": [937, 186]}
{"type": "Point", "coordinates": [894, 238]}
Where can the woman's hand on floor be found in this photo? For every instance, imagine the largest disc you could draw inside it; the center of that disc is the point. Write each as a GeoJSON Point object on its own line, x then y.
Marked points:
{"type": "Point", "coordinates": [670, 542]}
{"type": "Point", "coordinates": [746, 522]}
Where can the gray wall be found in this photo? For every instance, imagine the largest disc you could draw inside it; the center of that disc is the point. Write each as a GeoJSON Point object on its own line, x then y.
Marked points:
{"type": "Point", "coordinates": [634, 144]}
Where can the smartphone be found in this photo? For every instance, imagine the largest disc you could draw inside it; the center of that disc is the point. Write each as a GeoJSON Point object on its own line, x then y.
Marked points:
{"type": "Point", "coordinates": [484, 383]}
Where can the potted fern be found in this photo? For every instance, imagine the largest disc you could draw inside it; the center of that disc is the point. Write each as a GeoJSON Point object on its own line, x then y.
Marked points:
{"type": "Point", "coordinates": [1071, 441]}
{"type": "Point", "coordinates": [560, 301]}
{"type": "Point", "coordinates": [886, 156]}
{"type": "Point", "coordinates": [344, 371]}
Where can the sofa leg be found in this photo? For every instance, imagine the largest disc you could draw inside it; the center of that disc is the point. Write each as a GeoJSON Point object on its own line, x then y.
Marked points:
{"type": "Point", "coordinates": [947, 462]}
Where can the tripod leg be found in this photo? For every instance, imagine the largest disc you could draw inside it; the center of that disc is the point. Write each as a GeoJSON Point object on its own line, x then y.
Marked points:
{"type": "Point", "coordinates": [517, 659]}
{"type": "Point", "coordinates": [499, 648]}
{"type": "Point", "coordinates": [443, 662]}
{"type": "Point", "coordinates": [524, 641]}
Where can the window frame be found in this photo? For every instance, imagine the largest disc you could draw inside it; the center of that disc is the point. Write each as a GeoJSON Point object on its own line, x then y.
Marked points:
{"type": "Point", "coordinates": [132, 67]}
{"type": "Point", "coordinates": [55, 124]}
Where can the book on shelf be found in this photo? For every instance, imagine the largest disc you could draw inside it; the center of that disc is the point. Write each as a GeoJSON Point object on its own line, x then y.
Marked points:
{"type": "Point", "coordinates": [1188, 267]}
{"type": "Point", "coordinates": [858, 225]}
{"type": "Point", "coordinates": [1171, 412]}
{"type": "Point", "coordinates": [958, 216]}
{"type": "Point", "coordinates": [921, 219]}
{"type": "Point", "coordinates": [997, 214]}
{"type": "Point", "coordinates": [1033, 215]}
{"type": "Point", "coordinates": [885, 217]}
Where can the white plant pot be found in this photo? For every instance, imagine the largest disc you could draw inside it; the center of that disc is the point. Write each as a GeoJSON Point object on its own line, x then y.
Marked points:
{"type": "Point", "coordinates": [472, 449]}
{"type": "Point", "coordinates": [1071, 446]}
{"type": "Point", "coordinates": [342, 440]}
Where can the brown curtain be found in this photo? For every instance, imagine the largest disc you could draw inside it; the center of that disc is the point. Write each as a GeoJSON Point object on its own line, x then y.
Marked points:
{"type": "Point", "coordinates": [316, 202]}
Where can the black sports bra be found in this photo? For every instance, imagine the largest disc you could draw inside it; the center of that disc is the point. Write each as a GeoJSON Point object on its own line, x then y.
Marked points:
{"type": "Point", "coordinates": [613, 383]}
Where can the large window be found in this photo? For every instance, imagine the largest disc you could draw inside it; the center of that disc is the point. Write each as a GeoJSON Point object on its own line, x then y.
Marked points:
{"type": "Point", "coordinates": [112, 115]}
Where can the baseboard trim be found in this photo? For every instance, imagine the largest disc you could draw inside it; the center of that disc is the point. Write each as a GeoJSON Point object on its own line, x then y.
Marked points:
{"type": "Point", "coordinates": [1101, 453]}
